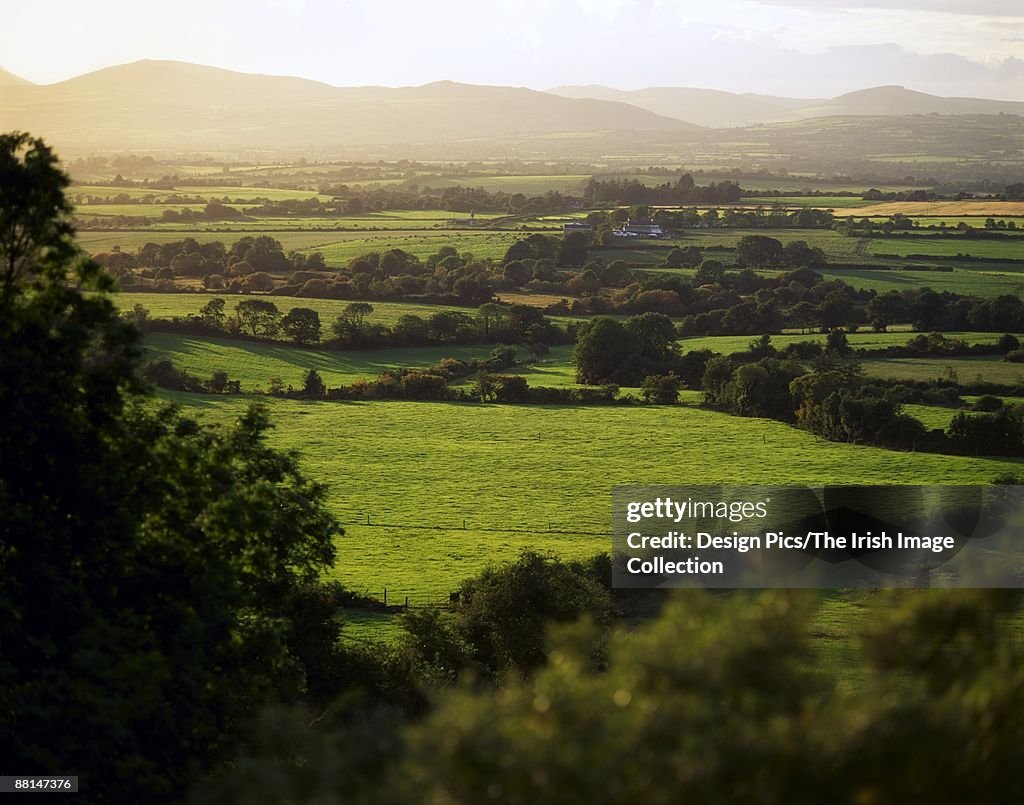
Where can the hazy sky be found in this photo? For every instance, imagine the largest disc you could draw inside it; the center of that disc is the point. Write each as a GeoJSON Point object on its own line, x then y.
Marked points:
{"type": "Point", "coordinates": [794, 47]}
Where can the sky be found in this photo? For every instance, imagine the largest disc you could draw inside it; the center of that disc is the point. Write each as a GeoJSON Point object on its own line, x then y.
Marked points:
{"type": "Point", "coordinates": [802, 48]}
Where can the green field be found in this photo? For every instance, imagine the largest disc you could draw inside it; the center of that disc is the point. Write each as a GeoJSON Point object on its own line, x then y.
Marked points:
{"type": "Point", "coordinates": [255, 364]}
{"type": "Point", "coordinates": [450, 488]}
{"type": "Point", "coordinates": [931, 416]}
{"type": "Point", "coordinates": [97, 241]}
{"type": "Point", "coordinates": [967, 370]}
{"type": "Point", "coordinates": [337, 247]}
{"type": "Point", "coordinates": [371, 221]}
{"type": "Point", "coordinates": [727, 344]}
{"type": "Point", "coordinates": [834, 245]}
{"type": "Point", "coordinates": [985, 281]}
{"type": "Point", "coordinates": [481, 244]}
{"type": "Point", "coordinates": [1009, 248]}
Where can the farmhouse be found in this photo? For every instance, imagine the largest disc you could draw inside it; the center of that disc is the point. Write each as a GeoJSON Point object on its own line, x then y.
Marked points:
{"type": "Point", "coordinates": [641, 229]}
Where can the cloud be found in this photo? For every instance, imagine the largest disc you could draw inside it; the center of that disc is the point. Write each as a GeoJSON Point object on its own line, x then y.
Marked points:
{"type": "Point", "coordinates": [974, 8]}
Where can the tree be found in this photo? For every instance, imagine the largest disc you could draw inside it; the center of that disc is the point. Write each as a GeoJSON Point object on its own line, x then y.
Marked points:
{"type": "Point", "coordinates": [572, 251]}
{"type": "Point", "coordinates": [678, 257]}
{"type": "Point", "coordinates": [501, 620]}
{"type": "Point", "coordinates": [313, 385]}
{"type": "Point", "coordinates": [259, 317]}
{"type": "Point", "coordinates": [259, 282]}
{"type": "Point", "coordinates": [519, 250]}
{"type": "Point", "coordinates": [661, 389]}
{"type": "Point", "coordinates": [797, 254]}
{"type": "Point", "coordinates": [410, 329]}
{"type": "Point", "coordinates": [212, 313]}
{"type": "Point", "coordinates": [603, 349]}
{"type": "Point", "coordinates": [759, 251]}
{"type": "Point", "coordinates": [655, 335]}
{"type": "Point", "coordinates": [837, 342]}
{"type": "Point", "coordinates": [885, 309]}
{"type": "Point", "coordinates": [145, 559]}
{"type": "Point", "coordinates": [710, 272]}
{"type": "Point", "coordinates": [516, 273]}
{"type": "Point", "coordinates": [350, 326]}
{"type": "Point", "coordinates": [302, 325]}
{"type": "Point", "coordinates": [716, 681]}
{"type": "Point", "coordinates": [35, 217]}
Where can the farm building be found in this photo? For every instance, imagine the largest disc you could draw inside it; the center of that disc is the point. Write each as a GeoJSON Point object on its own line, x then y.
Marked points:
{"type": "Point", "coordinates": [576, 227]}
{"type": "Point", "coordinates": [643, 229]}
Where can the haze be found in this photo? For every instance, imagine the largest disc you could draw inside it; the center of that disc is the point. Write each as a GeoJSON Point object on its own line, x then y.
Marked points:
{"type": "Point", "coordinates": [792, 47]}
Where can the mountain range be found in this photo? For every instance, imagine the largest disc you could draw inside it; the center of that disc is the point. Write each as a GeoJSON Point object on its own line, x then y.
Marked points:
{"type": "Point", "coordinates": [165, 105]}
{"type": "Point", "coordinates": [159, 104]}
{"type": "Point", "coordinates": [719, 109]}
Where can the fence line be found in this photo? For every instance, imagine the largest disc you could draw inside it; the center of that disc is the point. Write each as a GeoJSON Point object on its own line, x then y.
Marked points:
{"type": "Point", "coordinates": [403, 602]}
{"type": "Point", "coordinates": [488, 529]}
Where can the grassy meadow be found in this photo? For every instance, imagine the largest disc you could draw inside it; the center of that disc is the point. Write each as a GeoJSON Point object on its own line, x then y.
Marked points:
{"type": "Point", "coordinates": [255, 364]}
{"type": "Point", "coordinates": [990, 369]}
{"type": "Point", "coordinates": [727, 344]}
{"type": "Point", "coordinates": [451, 487]}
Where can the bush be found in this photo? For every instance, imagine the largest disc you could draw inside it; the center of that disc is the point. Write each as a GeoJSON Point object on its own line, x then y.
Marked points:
{"type": "Point", "coordinates": [661, 389]}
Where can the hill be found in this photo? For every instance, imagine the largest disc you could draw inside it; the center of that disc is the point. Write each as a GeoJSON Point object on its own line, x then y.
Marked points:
{"type": "Point", "coordinates": [11, 80]}
{"type": "Point", "coordinates": [718, 109]}
{"type": "Point", "coordinates": [154, 105]}
{"type": "Point", "coordinates": [894, 100]}
{"type": "Point", "coordinates": [706, 107]}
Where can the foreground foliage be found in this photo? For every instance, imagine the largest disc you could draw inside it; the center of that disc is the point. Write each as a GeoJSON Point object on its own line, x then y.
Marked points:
{"type": "Point", "coordinates": [719, 700]}
{"type": "Point", "coordinates": [152, 571]}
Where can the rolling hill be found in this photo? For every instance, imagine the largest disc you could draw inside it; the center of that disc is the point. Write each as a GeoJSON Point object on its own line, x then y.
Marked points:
{"type": "Point", "coordinates": [154, 105]}
{"type": "Point", "coordinates": [717, 109]}
{"type": "Point", "coordinates": [11, 80]}
{"type": "Point", "coordinates": [706, 107]}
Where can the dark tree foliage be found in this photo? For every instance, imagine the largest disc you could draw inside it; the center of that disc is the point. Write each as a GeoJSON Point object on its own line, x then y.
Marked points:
{"type": "Point", "coordinates": [661, 389]}
{"type": "Point", "coordinates": [502, 616]}
{"type": "Point", "coordinates": [302, 325]}
{"type": "Point", "coordinates": [604, 349]}
{"type": "Point", "coordinates": [721, 699]}
{"type": "Point", "coordinates": [144, 560]}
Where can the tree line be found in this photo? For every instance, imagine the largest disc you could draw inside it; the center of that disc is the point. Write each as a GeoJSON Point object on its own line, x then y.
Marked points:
{"type": "Point", "coordinates": [353, 328]}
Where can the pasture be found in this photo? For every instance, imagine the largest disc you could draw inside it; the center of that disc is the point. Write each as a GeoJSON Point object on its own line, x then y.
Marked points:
{"type": "Point", "coordinates": [989, 369]}
{"type": "Point", "coordinates": [255, 364]}
{"type": "Point", "coordinates": [727, 344]}
{"type": "Point", "coordinates": [984, 282]}
{"type": "Point", "coordinates": [1006, 248]}
{"type": "Point", "coordinates": [449, 488]}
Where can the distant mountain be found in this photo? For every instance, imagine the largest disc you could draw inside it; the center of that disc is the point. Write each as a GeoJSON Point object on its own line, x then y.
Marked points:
{"type": "Point", "coordinates": [11, 80]}
{"type": "Point", "coordinates": [718, 109]}
{"type": "Point", "coordinates": [705, 107]}
{"type": "Point", "coordinates": [154, 105]}
{"type": "Point", "coordinates": [893, 100]}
